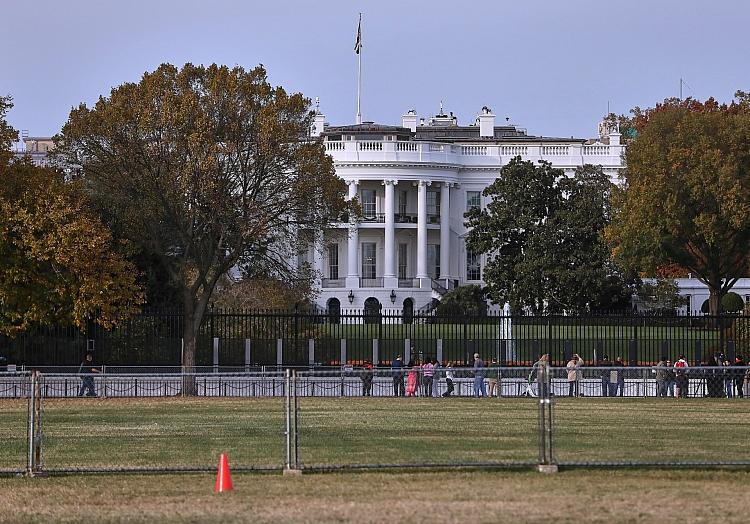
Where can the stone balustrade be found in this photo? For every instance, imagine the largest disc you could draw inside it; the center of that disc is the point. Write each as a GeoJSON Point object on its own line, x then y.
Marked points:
{"type": "Point", "coordinates": [567, 154]}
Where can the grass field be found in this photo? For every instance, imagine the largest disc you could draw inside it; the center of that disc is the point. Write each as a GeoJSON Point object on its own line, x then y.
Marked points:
{"type": "Point", "coordinates": [177, 432]}
{"type": "Point", "coordinates": [478, 497]}
{"type": "Point", "coordinates": [192, 432]}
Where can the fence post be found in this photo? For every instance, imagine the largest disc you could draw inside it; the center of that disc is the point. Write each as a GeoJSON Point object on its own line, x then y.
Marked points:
{"type": "Point", "coordinates": [547, 462]}
{"type": "Point", "coordinates": [34, 456]}
{"type": "Point", "coordinates": [216, 354]}
{"type": "Point", "coordinates": [292, 442]}
{"type": "Point", "coordinates": [439, 346]}
{"type": "Point", "coordinates": [104, 381]}
{"type": "Point", "coordinates": [407, 350]}
{"type": "Point", "coordinates": [375, 351]}
{"type": "Point", "coordinates": [567, 350]}
{"type": "Point", "coordinates": [311, 352]}
{"type": "Point", "coordinates": [248, 354]}
{"type": "Point", "coordinates": [342, 358]}
{"type": "Point", "coordinates": [698, 353]}
{"type": "Point", "coordinates": [633, 352]}
{"type": "Point", "coordinates": [279, 352]}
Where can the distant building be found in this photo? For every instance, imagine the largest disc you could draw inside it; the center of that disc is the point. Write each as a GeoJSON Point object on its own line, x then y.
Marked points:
{"type": "Point", "coordinates": [415, 182]}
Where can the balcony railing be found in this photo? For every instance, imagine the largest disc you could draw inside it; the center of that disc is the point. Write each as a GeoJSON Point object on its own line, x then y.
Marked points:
{"type": "Point", "coordinates": [371, 282]}
{"type": "Point", "coordinates": [563, 153]}
{"type": "Point", "coordinates": [408, 282]}
{"type": "Point", "coordinates": [373, 217]}
{"type": "Point", "coordinates": [333, 282]}
{"type": "Point", "coordinates": [405, 218]}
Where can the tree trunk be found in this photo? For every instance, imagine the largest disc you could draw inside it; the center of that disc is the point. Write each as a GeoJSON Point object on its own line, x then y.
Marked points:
{"type": "Point", "coordinates": [189, 336]}
{"type": "Point", "coordinates": [714, 301]}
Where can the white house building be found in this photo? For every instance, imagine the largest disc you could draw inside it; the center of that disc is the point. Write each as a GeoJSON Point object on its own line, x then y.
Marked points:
{"type": "Point", "coordinates": [415, 182]}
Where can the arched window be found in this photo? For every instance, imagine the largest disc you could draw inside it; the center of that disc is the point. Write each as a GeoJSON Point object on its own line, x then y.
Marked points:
{"type": "Point", "coordinates": [408, 311]}
{"type": "Point", "coordinates": [334, 310]}
{"type": "Point", "coordinates": [372, 311]}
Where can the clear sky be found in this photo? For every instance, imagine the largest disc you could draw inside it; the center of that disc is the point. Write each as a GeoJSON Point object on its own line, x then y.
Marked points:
{"type": "Point", "coordinates": [549, 65]}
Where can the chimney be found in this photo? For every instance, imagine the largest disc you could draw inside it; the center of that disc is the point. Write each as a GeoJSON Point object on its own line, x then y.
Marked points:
{"type": "Point", "coordinates": [409, 120]}
{"type": "Point", "coordinates": [486, 120]}
{"type": "Point", "coordinates": [319, 120]}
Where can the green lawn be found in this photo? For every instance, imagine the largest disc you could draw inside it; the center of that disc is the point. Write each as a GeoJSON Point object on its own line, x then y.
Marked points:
{"type": "Point", "coordinates": [169, 432]}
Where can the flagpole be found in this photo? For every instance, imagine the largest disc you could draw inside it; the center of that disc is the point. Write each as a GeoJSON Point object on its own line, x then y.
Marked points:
{"type": "Point", "coordinates": [359, 71]}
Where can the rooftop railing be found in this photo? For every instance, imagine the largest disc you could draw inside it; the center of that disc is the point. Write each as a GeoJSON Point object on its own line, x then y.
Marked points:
{"type": "Point", "coordinates": [473, 154]}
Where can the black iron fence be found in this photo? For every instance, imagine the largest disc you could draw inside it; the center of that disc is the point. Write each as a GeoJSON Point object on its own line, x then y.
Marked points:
{"type": "Point", "coordinates": [289, 338]}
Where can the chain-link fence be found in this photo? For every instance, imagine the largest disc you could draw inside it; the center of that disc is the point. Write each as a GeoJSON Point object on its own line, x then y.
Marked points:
{"type": "Point", "coordinates": [363, 417]}
{"type": "Point", "coordinates": [14, 417]}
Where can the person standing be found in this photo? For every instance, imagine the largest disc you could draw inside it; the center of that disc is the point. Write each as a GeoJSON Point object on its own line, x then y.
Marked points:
{"type": "Point", "coordinates": [671, 379]}
{"type": "Point", "coordinates": [681, 378]}
{"type": "Point", "coordinates": [427, 374]}
{"type": "Point", "coordinates": [661, 377]}
{"type": "Point", "coordinates": [435, 377]}
{"type": "Point", "coordinates": [738, 375]}
{"type": "Point", "coordinates": [366, 377]}
{"type": "Point", "coordinates": [605, 364]}
{"type": "Point", "coordinates": [86, 371]}
{"type": "Point", "coordinates": [448, 379]}
{"type": "Point", "coordinates": [479, 371]}
{"type": "Point", "coordinates": [493, 377]}
{"type": "Point", "coordinates": [728, 386]}
{"type": "Point", "coordinates": [574, 375]}
{"type": "Point", "coordinates": [412, 379]}
{"type": "Point", "coordinates": [397, 367]}
{"type": "Point", "coordinates": [617, 380]}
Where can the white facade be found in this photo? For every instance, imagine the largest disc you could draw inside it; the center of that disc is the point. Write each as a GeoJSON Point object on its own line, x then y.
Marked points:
{"type": "Point", "coordinates": [415, 182]}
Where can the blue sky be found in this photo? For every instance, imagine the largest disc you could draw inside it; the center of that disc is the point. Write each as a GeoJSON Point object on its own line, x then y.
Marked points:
{"type": "Point", "coordinates": [550, 66]}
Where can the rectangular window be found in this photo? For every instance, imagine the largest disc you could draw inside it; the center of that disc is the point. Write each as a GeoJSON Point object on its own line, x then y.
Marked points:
{"type": "Point", "coordinates": [473, 200]}
{"type": "Point", "coordinates": [333, 261]}
{"type": "Point", "coordinates": [403, 197]}
{"type": "Point", "coordinates": [433, 260]}
{"type": "Point", "coordinates": [368, 260]}
{"type": "Point", "coordinates": [473, 266]}
{"type": "Point", "coordinates": [368, 202]}
{"type": "Point", "coordinates": [433, 203]}
{"type": "Point", "coordinates": [403, 250]}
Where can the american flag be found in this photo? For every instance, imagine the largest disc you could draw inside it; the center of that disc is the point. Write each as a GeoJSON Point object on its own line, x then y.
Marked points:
{"type": "Point", "coordinates": [358, 43]}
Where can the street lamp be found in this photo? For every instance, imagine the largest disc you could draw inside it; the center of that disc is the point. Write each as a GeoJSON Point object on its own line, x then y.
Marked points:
{"type": "Point", "coordinates": [351, 296]}
{"type": "Point", "coordinates": [393, 296]}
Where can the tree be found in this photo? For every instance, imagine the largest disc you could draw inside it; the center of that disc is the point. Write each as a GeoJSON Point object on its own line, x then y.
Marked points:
{"type": "Point", "coordinates": [662, 295]}
{"type": "Point", "coordinates": [8, 135]}
{"type": "Point", "coordinates": [464, 300]}
{"type": "Point", "coordinates": [206, 168]}
{"type": "Point", "coordinates": [686, 197]}
{"type": "Point", "coordinates": [541, 233]}
{"type": "Point", "coordinates": [57, 264]}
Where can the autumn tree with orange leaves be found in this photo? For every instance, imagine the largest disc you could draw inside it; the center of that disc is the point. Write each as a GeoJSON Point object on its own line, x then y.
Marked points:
{"type": "Point", "coordinates": [57, 264]}
{"type": "Point", "coordinates": [208, 169]}
{"type": "Point", "coordinates": [686, 197]}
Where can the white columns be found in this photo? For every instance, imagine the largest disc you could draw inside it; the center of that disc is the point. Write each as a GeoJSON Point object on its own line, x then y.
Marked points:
{"type": "Point", "coordinates": [422, 229]}
{"type": "Point", "coordinates": [389, 248]}
{"type": "Point", "coordinates": [352, 274]}
{"type": "Point", "coordinates": [318, 251]}
{"type": "Point", "coordinates": [445, 231]}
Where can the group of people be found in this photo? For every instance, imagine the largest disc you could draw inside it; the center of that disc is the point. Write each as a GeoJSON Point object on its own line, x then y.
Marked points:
{"type": "Point", "coordinates": [720, 377]}
{"type": "Point", "coordinates": [422, 378]}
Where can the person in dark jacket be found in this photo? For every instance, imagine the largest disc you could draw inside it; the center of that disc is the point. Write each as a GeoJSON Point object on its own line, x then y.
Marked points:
{"type": "Point", "coordinates": [86, 371]}
{"type": "Point", "coordinates": [738, 375]}
{"type": "Point", "coordinates": [606, 385]}
{"type": "Point", "coordinates": [397, 367]}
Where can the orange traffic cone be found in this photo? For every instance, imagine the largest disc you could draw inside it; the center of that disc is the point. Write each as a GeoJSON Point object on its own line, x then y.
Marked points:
{"type": "Point", "coordinates": [224, 478]}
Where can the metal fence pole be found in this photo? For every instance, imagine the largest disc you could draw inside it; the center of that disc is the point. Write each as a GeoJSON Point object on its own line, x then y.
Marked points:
{"type": "Point", "coordinates": [292, 441]}
{"type": "Point", "coordinates": [34, 455]}
{"type": "Point", "coordinates": [547, 462]}
{"type": "Point", "coordinates": [288, 408]}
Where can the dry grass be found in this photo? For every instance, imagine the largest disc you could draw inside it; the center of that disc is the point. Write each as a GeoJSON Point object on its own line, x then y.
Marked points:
{"type": "Point", "coordinates": [572, 496]}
